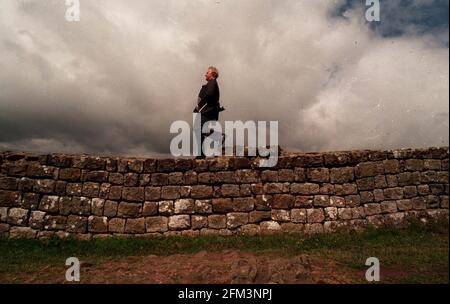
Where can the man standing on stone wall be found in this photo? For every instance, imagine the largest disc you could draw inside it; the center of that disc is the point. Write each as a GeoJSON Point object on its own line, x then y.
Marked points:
{"type": "Point", "coordinates": [208, 104]}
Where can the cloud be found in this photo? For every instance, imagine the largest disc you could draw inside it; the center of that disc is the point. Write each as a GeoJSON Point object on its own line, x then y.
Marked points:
{"type": "Point", "coordinates": [115, 81]}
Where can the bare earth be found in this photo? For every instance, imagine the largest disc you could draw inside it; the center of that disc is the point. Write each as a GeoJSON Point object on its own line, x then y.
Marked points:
{"type": "Point", "coordinates": [228, 266]}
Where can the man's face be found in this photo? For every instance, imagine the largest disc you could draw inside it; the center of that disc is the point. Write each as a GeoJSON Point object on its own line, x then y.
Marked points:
{"type": "Point", "coordinates": [209, 75]}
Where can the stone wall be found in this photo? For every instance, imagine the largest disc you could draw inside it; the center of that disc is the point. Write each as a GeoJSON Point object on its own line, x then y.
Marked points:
{"type": "Point", "coordinates": [90, 196]}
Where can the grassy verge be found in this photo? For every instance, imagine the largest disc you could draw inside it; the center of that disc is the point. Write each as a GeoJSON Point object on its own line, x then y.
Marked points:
{"type": "Point", "coordinates": [419, 253]}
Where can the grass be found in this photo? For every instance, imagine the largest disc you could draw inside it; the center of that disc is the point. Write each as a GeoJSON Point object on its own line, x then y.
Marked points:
{"type": "Point", "coordinates": [419, 252]}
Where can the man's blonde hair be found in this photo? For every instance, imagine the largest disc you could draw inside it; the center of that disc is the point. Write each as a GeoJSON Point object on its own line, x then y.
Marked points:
{"type": "Point", "coordinates": [215, 71]}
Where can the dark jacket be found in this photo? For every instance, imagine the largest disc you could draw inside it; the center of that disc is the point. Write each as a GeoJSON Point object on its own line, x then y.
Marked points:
{"type": "Point", "coordinates": [209, 95]}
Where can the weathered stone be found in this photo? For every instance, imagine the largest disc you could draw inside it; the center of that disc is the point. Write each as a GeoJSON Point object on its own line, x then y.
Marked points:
{"type": "Point", "coordinates": [184, 206]}
{"type": "Point", "coordinates": [391, 166]}
{"type": "Point", "coordinates": [358, 212]}
{"type": "Point", "coordinates": [273, 188]}
{"type": "Point", "coordinates": [178, 222]}
{"type": "Point", "coordinates": [17, 216]}
{"type": "Point", "coordinates": [149, 165]}
{"type": "Point", "coordinates": [257, 216]}
{"type": "Point", "coordinates": [55, 222]}
{"type": "Point", "coordinates": [366, 197]}
{"type": "Point", "coordinates": [391, 181]}
{"type": "Point", "coordinates": [245, 190]}
{"type": "Point", "coordinates": [292, 228]}
{"type": "Point", "coordinates": [321, 200]}
{"type": "Point", "coordinates": [299, 174]}
{"type": "Point", "coordinates": [305, 189]}
{"type": "Point", "coordinates": [218, 164]}
{"type": "Point", "coordinates": [150, 208]}
{"type": "Point", "coordinates": [367, 183]}
{"type": "Point", "coordinates": [76, 224]}
{"type": "Point", "coordinates": [437, 189]}
{"type": "Point", "coordinates": [199, 222]}
{"type": "Point", "coordinates": [110, 208]}
{"type": "Point", "coordinates": [423, 190]}
{"type": "Point", "coordinates": [30, 201]}
{"type": "Point", "coordinates": [352, 200]}
{"type": "Point", "coordinates": [152, 193]}
{"type": "Point", "coordinates": [244, 204]}
{"type": "Point", "coordinates": [97, 206]}
{"type": "Point", "coordinates": [414, 164]}
{"type": "Point", "coordinates": [419, 203]}
{"type": "Point", "coordinates": [36, 170]}
{"type": "Point", "coordinates": [245, 176]}
{"type": "Point", "coordinates": [380, 181]}
{"type": "Point", "coordinates": [170, 192]}
{"type": "Point", "coordinates": [314, 228]}
{"type": "Point", "coordinates": [98, 224]}
{"type": "Point", "coordinates": [298, 215]}
{"type": "Point", "coordinates": [202, 191]}
{"type": "Point", "coordinates": [432, 164]}
{"type": "Point", "coordinates": [156, 224]}
{"type": "Point", "coordinates": [269, 176]}
{"type": "Point", "coordinates": [97, 176]}
{"type": "Point", "coordinates": [282, 201]}
{"type": "Point", "coordinates": [388, 207]}
{"type": "Point", "coordinates": [116, 178]}
{"type": "Point", "coordinates": [371, 209]}
{"type": "Point", "coordinates": [393, 193]}
{"type": "Point", "coordinates": [135, 225]}
{"type": "Point", "coordinates": [26, 184]}
{"type": "Point", "coordinates": [345, 213]}
{"type": "Point", "coordinates": [166, 208]}
{"type": "Point", "coordinates": [36, 220]}
{"type": "Point", "coordinates": [49, 203]}
{"type": "Point", "coordinates": [116, 225]}
{"type": "Point", "coordinates": [342, 175]}
{"type": "Point", "coordinates": [369, 169]}
{"type": "Point", "coordinates": [159, 179]}
{"type": "Point", "coordinates": [46, 186]}
{"type": "Point", "coordinates": [165, 165]}
{"type": "Point", "coordinates": [249, 229]}
{"type": "Point", "coordinates": [207, 177]}
{"type": "Point", "coordinates": [74, 189]}
{"type": "Point", "coordinates": [269, 227]}
{"type": "Point", "coordinates": [444, 201]}
{"type": "Point", "coordinates": [90, 189]}
{"type": "Point", "coordinates": [376, 220]}
{"type": "Point", "coordinates": [280, 215]}
{"type": "Point", "coordinates": [217, 221]}
{"type": "Point", "coordinates": [228, 190]}
{"type": "Point", "coordinates": [337, 201]}
{"type": "Point", "coordinates": [203, 206]}
{"type": "Point", "coordinates": [22, 233]}
{"type": "Point", "coordinates": [432, 201]}
{"type": "Point", "coordinates": [222, 205]}
{"type": "Point", "coordinates": [236, 219]}
{"type": "Point", "coordinates": [81, 205]}
{"type": "Point", "coordinates": [319, 175]}
{"type": "Point", "coordinates": [133, 194]}
{"type": "Point", "coordinates": [315, 215]}
{"type": "Point", "coordinates": [286, 175]}
{"type": "Point", "coordinates": [331, 213]}
{"type": "Point", "coordinates": [136, 165]}
{"type": "Point", "coordinates": [129, 209]}
{"type": "Point", "coordinates": [410, 178]}
{"type": "Point", "coordinates": [8, 183]}
{"type": "Point", "coordinates": [345, 189]}
{"type": "Point", "coordinates": [176, 178]}
{"type": "Point", "coordinates": [111, 164]}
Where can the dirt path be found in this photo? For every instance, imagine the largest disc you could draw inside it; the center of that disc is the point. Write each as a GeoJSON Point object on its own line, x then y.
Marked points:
{"type": "Point", "coordinates": [229, 266]}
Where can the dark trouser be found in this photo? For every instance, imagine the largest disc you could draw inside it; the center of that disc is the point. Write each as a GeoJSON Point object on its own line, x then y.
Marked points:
{"type": "Point", "coordinates": [205, 119]}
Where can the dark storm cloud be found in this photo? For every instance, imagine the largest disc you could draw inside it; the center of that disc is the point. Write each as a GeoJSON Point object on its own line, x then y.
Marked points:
{"type": "Point", "coordinates": [116, 80]}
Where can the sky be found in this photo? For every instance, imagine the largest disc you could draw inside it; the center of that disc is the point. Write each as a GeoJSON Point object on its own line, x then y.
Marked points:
{"type": "Point", "coordinates": [114, 82]}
